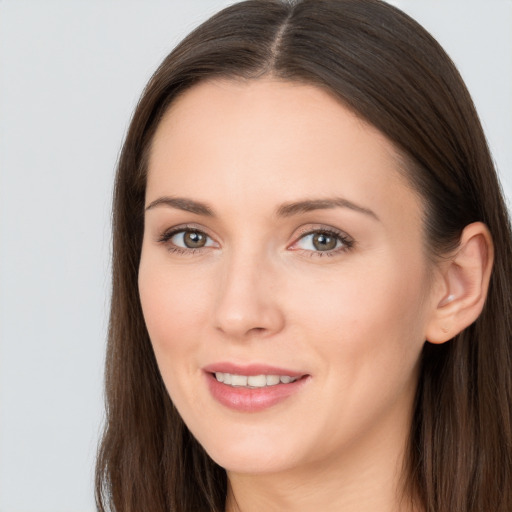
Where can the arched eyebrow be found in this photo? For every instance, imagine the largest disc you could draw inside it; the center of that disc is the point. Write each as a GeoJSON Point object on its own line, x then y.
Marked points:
{"type": "Point", "coordinates": [182, 203]}
{"type": "Point", "coordinates": [308, 205]}
{"type": "Point", "coordinates": [285, 210]}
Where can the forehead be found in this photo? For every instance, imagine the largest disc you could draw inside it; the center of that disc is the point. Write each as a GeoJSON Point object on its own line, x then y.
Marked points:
{"type": "Point", "coordinates": [241, 140]}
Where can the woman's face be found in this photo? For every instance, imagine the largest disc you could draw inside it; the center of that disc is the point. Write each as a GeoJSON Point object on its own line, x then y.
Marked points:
{"type": "Point", "coordinates": [281, 242]}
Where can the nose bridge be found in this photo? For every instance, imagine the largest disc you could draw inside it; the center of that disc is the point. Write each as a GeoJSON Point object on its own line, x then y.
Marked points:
{"type": "Point", "coordinates": [246, 302]}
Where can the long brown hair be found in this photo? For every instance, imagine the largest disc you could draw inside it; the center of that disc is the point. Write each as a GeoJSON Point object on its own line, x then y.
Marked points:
{"type": "Point", "coordinates": [392, 73]}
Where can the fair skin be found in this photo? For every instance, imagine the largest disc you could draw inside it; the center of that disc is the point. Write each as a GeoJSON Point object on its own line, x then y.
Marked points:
{"type": "Point", "coordinates": [337, 291]}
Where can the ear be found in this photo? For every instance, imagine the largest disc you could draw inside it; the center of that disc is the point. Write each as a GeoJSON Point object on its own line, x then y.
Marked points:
{"type": "Point", "coordinates": [460, 298]}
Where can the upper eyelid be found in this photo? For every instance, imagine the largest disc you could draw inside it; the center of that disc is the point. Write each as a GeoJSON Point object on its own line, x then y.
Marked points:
{"type": "Point", "coordinates": [319, 228]}
{"type": "Point", "coordinates": [169, 232]}
{"type": "Point", "coordinates": [165, 239]}
{"type": "Point", "coordinates": [347, 241]}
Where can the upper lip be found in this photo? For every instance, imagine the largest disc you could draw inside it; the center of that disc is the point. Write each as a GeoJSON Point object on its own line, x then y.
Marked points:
{"type": "Point", "coordinates": [251, 369]}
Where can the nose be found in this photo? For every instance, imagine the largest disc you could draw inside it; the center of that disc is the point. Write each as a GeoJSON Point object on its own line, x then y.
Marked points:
{"type": "Point", "coordinates": [247, 303]}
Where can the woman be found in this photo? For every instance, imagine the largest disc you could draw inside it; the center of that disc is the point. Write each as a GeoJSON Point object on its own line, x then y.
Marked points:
{"type": "Point", "coordinates": [311, 301]}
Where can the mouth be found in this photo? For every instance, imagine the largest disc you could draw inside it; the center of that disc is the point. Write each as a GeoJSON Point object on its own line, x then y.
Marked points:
{"type": "Point", "coordinates": [253, 381]}
{"type": "Point", "coordinates": [252, 388]}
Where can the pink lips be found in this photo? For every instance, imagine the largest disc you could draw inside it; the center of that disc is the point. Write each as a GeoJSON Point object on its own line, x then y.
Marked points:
{"type": "Point", "coordinates": [244, 399]}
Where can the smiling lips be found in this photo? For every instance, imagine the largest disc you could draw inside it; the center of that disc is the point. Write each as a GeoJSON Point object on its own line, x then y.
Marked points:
{"type": "Point", "coordinates": [252, 388]}
{"type": "Point", "coordinates": [253, 381]}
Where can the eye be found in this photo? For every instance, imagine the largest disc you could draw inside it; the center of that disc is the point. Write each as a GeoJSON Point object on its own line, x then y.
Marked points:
{"type": "Point", "coordinates": [323, 241]}
{"type": "Point", "coordinates": [184, 239]}
{"type": "Point", "coordinates": [189, 239]}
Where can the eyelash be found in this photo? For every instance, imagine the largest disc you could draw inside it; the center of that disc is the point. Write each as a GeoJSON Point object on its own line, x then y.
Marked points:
{"type": "Point", "coordinates": [167, 235]}
{"type": "Point", "coordinates": [346, 241]}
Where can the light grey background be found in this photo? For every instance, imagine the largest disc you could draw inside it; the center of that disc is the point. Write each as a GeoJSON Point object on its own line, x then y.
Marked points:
{"type": "Point", "coordinates": [70, 75]}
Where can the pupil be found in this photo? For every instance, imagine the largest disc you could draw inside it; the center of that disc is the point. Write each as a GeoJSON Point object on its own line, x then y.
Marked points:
{"type": "Point", "coordinates": [324, 242]}
{"type": "Point", "coordinates": [193, 239]}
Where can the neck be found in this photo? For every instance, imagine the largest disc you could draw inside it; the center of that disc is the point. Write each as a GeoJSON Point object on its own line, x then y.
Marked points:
{"type": "Point", "coordinates": [366, 477]}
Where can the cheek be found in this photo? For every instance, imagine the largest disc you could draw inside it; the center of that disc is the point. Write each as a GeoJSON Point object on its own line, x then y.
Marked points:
{"type": "Point", "coordinates": [371, 321]}
{"type": "Point", "coordinates": [174, 304]}
{"type": "Point", "coordinates": [366, 332]}
{"type": "Point", "coordinates": [163, 313]}
{"type": "Point", "coordinates": [174, 308]}
{"type": "Point", "coordinates": [171, 294]}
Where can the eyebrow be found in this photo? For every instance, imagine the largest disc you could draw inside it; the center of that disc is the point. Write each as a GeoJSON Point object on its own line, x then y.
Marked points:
{"type": "Point", "coordinates": [181, 203]}
{"type": "Point", "coordinates": [308, 205]}
{"type": "Point", "coordinates": [285, 210]}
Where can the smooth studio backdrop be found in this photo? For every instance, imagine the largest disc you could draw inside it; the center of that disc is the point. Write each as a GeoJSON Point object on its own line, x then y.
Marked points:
{"type": "Point", "coordinates": [70, 75]}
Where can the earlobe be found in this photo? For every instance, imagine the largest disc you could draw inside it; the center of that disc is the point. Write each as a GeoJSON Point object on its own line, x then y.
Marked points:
{"type": "Point", "coordinates": [465, 280]}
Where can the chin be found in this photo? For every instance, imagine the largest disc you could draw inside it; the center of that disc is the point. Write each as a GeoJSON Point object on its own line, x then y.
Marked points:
{"type": "Point", "coordinates": [250, 463]}
{"type": "Point", "coordinates": [252, 455]}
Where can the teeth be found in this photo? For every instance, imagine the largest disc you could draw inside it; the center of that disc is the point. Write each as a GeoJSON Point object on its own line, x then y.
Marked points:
{"type": "Point", "coordinates": [238, 380]}
{"type": "Point", "coordinates": [272, 380]}
{"type": "Point", "coordinates": [257, 381]}
{"type": "Point", "coordinates": [253, 381]}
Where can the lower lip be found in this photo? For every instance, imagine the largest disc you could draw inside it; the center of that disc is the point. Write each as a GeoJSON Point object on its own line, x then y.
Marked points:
{"type": "Point", "coordinates": [252, 399]}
